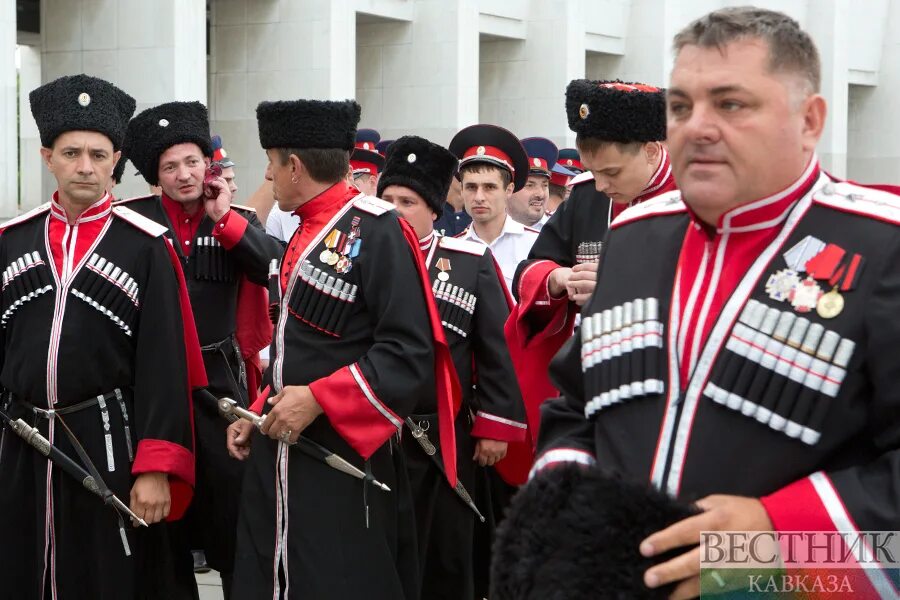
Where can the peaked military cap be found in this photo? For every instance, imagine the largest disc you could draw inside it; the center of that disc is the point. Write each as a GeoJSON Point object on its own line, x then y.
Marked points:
{"type": "Point", "coordinates": [494, 146]}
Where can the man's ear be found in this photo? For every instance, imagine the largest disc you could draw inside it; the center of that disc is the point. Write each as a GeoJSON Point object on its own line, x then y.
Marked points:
{"type": "Point", "coordinates": [815, 110]}
{"type": "Point", "coordinates": [46, 153]}
{"type": "Point", "coordinates": [509, 190]}
{"type": "Point", "coordinates": [298, 169]}
{"type": "Point", "coordinates": [652, 149]}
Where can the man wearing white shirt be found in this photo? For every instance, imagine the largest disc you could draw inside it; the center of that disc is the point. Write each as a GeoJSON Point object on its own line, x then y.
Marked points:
{"type": "Point", "coordinates": [493, 165]}
{"type": "Point", "coordinates": [282, 224]}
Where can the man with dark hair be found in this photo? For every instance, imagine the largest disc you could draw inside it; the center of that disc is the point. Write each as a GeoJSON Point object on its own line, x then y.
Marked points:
{"type": "Point", "coordinates": [492, 166]}
{"type": "Point", "coordinates": [620, 131]}
{"type": "Point", "coordinates": [220, 157]}
{"type": "Point", "coordinates": [223, 251]}
{"type": "Point", "coordinates": [97, 348]}
{"type": "Point", "coordinates": [453, 219]}
{"type": "Point", "coordinates": [473, 303]}
{"type": "Point", "coordinates": [741, 351]}
{"type": "Point", "coordinates": [528, 206]}
{"type": "Point", "coordinates": [357, 343]}
{"type": "Point", "coordinates": [366, 161]}
{"type": "Point", "coordinates": [558, 191]}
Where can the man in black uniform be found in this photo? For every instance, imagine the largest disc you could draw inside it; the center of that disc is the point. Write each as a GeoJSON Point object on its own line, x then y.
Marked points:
{"type": "Point", "coordinates": [473, 304]}
{"type": "Point", "coordinates": [742, 352]}
{"type": "Point", "coordinates": [357, 344]}
{"type": "Point", "coordinates": [620, 131]}
{"type": "Point", "coordinates": [95, 356]}
{"type": "Point", "coordinates": [170, 145]}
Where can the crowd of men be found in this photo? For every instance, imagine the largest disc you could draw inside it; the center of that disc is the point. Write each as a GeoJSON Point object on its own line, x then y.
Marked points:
{"type": "Point", "coordinates": [341, 399]}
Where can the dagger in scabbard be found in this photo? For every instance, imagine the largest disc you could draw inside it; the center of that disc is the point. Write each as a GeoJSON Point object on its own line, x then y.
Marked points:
{"type": "Point", "coordinates": [34, 439]}
{"type": "Point", "coordinates": [424, 442]}
{"type": "Point", "coordinates": [232, 411]}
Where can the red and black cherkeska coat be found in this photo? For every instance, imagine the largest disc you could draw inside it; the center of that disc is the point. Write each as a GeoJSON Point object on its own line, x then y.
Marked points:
{"type": "Point", "coordinates": [540, 323]}
{"type": "Point", "coordinates": [93, 312]}
{"type": "Point", "coordinates": [473, 304]}
{"type": "Point", "coordinates": [222, 286]}
{"type": "Point", "coordinates": [713, 363]}
{"type": "Point", "coordinates": [356, 325]}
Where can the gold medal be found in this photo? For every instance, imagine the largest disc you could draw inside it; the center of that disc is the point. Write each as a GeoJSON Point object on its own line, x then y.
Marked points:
{"type": "Point", "coordinates": [325, 256]}
{"type": "Point", "coordinates": [333, 257]}
{"type": "Point", "coordinates": [830, 304]}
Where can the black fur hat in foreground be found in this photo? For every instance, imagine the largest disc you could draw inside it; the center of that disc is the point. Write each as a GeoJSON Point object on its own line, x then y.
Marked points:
{"type": "Point", "coordinates": [422, 166]}
{"type": "Point", "coordinates": [573, 533]}
{"type": "Point", "coordinates": [615, 111]}
{"type": "Point", "coordinates": [308, 124]}
{"type": "Point", "coordinates": [81, 102]}
{"type": "Point", "coordinates": [157, 129]}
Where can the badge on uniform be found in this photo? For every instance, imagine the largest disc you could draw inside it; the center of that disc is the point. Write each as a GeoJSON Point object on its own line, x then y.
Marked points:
{"type": "Point", "coordinates": [443, 265]}
{"type": "Point", "coordinates": [349, 249]}
{"type": "Point", "coordinates": [820, 262]}
{"type": "Point", "coordinates": [588, 252]}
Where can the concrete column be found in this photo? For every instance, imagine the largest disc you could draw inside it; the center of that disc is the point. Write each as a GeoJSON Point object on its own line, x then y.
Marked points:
{"type": "Point", "coordinates": [155, 51]}
{"type": "Point", "coordinates": [9, 156]}
{"type": "Point", "coordinates": [31, 166]}
{"type": "Point", "coordinates": [274, 50]}
{"type": "Point", "coordinates": [874, 144]}
{"type": "Point", "coordinates": [828, 27]}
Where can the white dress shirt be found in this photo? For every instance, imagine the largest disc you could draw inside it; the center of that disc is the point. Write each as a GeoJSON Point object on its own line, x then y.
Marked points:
{"type": "Point", "coordinates": [281, 224]}
{"type": "Point", "coordinates": [510, 248]}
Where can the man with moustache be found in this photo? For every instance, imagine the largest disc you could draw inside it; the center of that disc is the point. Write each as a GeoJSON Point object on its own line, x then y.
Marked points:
{"type": "Point", "coordinates": [357, 343]}
{"type": "Point", "coordinates": [97, 349]}
{"type": "Point", "coordinates": [222, 247]}
{"type": "Point", "coordinates": [763, 298]}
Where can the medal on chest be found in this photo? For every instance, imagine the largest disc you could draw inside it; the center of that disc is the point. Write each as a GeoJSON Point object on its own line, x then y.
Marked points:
{"type": "Point", "coordinates": [820, 262]}
{"type": "Point", "coordinates": [443, 265]}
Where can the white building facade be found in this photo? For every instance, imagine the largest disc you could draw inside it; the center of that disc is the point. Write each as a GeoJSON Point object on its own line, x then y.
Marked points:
{"type": "Point", "coordinates": [424, 67]}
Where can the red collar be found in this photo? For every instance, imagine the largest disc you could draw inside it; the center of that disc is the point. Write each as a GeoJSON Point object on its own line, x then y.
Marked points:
{"type": "Point", "coordinates": [97, 210]}
{"type": "Point", "coordinates": [337, 193]}
{"type": "Point", "coordinates": [661, 179]}
{"type": "Point", "coordinates": [174, 207]}
{"type": "Point", "coordinates": [767, 212]}
{"type": "Point", "coordinates": [426, 242]}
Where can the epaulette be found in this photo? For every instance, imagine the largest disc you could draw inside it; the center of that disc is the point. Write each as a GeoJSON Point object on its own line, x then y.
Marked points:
{"type": "Point", "coordinates": [859, 200]}
{"type": "Point", "coordinates": [146, 225]}
{"type": "Point", "coordinates": [242, 207]}
{"type": "Point", "coordinates": [458, 245]}
{"type": "Point", "coordinates": [581, 178]}
{"type": "Point", "coordinates": [124, 201]}
{"type": "Point", "coordinates": [372, 205]}
{"type": "Point", "coordinates": [664, 204]}
{"type": "Point", "coordinates": [27, 216]}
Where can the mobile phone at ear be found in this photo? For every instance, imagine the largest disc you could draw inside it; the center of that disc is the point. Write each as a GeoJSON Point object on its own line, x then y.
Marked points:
{"type": "Point", "coordinates": [213, 172]}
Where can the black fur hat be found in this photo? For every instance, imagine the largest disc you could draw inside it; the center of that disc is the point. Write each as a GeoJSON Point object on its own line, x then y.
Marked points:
{"type": "Point", "coordinates": [81, 102]}
{"type": "Point", "coordinates": [119, 169]}
{"type": "Point", "coordinates": [422, 166]}
{"type": "Point", "coordinates": [573, 533]}
{"type": "Point", "coordinates": [615, 111]}
{"type": "Point", "coordinates": [308, 124]}
{"type": "Point", "coordinates": [157, 129]}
